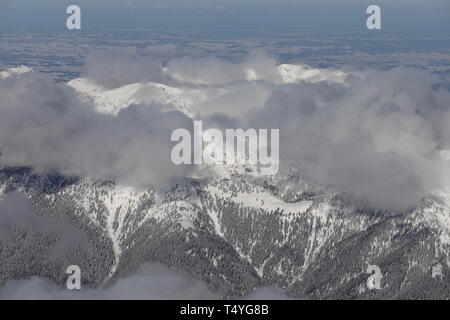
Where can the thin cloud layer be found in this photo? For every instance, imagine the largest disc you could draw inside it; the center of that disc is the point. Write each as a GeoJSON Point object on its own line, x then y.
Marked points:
{"type": "Point", "coordinates": [122, 66]}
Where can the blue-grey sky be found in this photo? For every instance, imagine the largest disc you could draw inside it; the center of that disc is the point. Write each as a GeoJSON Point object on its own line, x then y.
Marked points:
{"type": "Point", "coordinates": [404, 16]}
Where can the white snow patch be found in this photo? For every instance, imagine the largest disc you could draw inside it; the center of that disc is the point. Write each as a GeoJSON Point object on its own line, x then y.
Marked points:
{"type": "Point", "coordinates": [436, 271]}
{"type": "Point", "coordinates": [440, 215]}
{"type": "Point", "coordinates": [261, 200]}
{"type": "Point", "coordinates": [14, 72]}
{"type": "Point", "coordinates": [215, 219]}
{"type": "Point", "coordinates": [114, 100]}
{"type": "Point", "coordinates": [296, 73]}
{"type": "Point", "coordinates": [2, 191]}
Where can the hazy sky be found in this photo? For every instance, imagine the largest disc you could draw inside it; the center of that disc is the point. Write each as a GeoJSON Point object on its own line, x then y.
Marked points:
{"type": "Point", "coordinates": [406, 16]}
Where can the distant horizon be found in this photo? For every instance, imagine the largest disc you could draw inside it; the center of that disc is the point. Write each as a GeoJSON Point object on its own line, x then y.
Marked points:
{"type": "Point", "coordinates": [322, 17]}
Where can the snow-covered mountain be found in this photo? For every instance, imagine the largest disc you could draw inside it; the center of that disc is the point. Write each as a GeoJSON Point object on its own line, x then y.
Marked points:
{"type": "Point", "coordinates": [228, 226]}
{"type": "Point", "coordinates": [187, 95]}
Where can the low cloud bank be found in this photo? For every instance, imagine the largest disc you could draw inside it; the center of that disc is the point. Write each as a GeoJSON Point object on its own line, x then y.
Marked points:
{"type": "Point", "coordinates": [151, 281]}
{"type": "Point", "coordinates": [16, 213]}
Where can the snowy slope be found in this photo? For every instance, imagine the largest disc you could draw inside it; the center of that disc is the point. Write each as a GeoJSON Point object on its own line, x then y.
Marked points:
{"type": "Point", "coordinates": [296, 73]}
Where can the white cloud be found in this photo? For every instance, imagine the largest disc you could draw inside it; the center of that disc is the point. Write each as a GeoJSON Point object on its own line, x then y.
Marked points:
{"type": "Point", "coordinates": [377, 135]}
{"type": "Point", "coordinates": [46, 126]}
